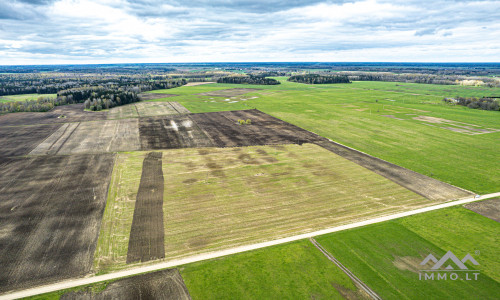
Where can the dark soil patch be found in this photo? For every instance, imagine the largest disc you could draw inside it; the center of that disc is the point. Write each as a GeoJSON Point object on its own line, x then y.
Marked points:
{"type": "Point", "coordinates": [427, 187]}
{"type": "Point", "coordinates": [50, 210]}
{"type": "Point", "coordinates": [147, 234]}
{"type": "Point", "coordinates": [488, 208]}
{"type": "Point", "coordinates": [166, 284]}
{"type": "Point", "coordinates": [60, 114]}
{"type": "Point", "coordinates": [228, 92]}
{"type": "Point", "coordinates": [190, 181]}
{"type": "Point", "coordinates": [224, 131]}
{"type": "Point", "coordinates": [171, 132]}
{"type": "Point", "coordinates": [152, 96]}
{"type": "Point", "coordinates": [20, 140]}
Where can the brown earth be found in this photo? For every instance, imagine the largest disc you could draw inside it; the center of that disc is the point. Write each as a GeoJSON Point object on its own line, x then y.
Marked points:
{"type": "Point", "coordinates": [92, 137]}
{"type": "Point", "coordinates": [224, 130]}
{"type": "Point", "coordinates": [147, 234]}
{"type": "Point", "coordinates": [228, 92]}
{"type": "Point", "coordinates": [60, 114]}
{"type": "Point", "coordinates": [171, 132]}
{"type": "Point", "coordinates": [20, 140]}
{"type": "Point", "coordinates": [152, 96]}
{"type": "Point", "coordinates": [50, 210]}
{"type": "Point", "coordinates": [166, 284]}
{"type": "Point", "coordinates": [425, 186]}
{"type": "Point", "coordinates": [488, 208]}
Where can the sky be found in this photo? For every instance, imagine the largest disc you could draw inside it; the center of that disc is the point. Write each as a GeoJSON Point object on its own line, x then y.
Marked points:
{"type": "Point", "coordinates": [151, 31]}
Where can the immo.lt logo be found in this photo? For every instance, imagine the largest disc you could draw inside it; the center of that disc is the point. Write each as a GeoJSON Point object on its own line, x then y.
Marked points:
{"type": "Point", "coordinates": [443, 269]}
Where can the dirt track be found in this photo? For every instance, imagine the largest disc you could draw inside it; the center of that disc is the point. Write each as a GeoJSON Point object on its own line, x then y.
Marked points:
{"type": "Point", "coordinates": [51, 209]}
{"type": "Point", "coordinates": [147, 234]}
{"type": "Point", "coordinates": [166, 284]}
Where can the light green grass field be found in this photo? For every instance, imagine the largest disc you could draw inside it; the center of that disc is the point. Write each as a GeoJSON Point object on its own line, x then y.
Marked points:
{"type": "Point", "coordinates": [23, 97]}
{"type": "Point", "coordinates": [291, 271]}
{"type": "Point", "coordinates": [385, 120]}
{"type": "Point", "coordinates": [219, 198]}
{"type": "Point", "coordinates": [387, 256]}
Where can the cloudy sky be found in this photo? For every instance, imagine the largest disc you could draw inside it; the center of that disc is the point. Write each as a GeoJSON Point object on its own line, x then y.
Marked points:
{"type": "Point", "coordinates": [114, 31]}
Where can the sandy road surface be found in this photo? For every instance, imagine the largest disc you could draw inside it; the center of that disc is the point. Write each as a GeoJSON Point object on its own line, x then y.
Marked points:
{"type": "Point", "coordinates": [173, 263]}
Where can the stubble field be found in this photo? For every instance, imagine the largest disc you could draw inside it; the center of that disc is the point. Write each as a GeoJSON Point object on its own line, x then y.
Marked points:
{"type": "Point", "coordinates": [216, 198]}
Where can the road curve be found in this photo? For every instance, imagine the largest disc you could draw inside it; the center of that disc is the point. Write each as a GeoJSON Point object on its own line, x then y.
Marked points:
{"type": "Point", "coordinates": [71, 283]}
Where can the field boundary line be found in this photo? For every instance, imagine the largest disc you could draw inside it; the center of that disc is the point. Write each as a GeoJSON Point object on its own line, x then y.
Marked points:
{"type": "Point", "coordinates": [359, 151]}
{"type": "Point", "coordinates": [348, 272]}
{"type": "Point", "coordinates": [71, 283]}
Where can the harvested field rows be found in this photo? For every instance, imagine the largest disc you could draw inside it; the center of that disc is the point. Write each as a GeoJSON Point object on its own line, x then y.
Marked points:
{"type": "Point", "coordinates": [218, 198]}
{"type": "Point", "coordinates": [92, 137]}
{"type": "Point", "coordinates": [51, 209]}
{"type": "Point", "coordinates": [166, 284]}
{"type": "Point", "coordinates": [147, 234]}
{"type": "Point", "coordinates": [20, 140]}
{"type": "Point", "coordinates": [146, 109]}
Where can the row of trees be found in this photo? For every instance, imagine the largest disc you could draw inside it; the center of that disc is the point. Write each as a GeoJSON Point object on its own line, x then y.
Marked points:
{"type": "Point", "coordinates": [423, 78]}
{"type": "Point", "coordinates": [95, 97]}
{"type": "Point", "coordinates": [248, 79]}
{"type": "Point", "coordinates": [475, 103]}
{"type": "Point", "coordinates": [319, 79]}
{"type": "Point", "coordinates": [105, 99]}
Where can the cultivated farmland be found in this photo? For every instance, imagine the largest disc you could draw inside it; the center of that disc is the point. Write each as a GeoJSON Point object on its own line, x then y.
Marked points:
{"type": "Point", "coordinates": [217, 198]}
{"type": "Point", "coordinates": [146, 109]}
{"type": "Point", "coordinates": [92, 137]}
{"type": "Point", "coordinates": [20, 140]}
{"type": "Point", "coordinates": [51, 209]}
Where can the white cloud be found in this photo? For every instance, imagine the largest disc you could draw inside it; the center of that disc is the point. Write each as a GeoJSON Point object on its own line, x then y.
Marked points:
{"type": "Point", "coordinates": [367, 30]}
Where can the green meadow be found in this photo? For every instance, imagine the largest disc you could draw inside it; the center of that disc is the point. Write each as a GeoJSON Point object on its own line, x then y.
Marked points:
{"type": "Point", "coordinates": [290, 271]}
{"type": "Point", "coordinates": [387, 256]}
{"type": "Point", "coordinates": [404, 123]}
{"type": "Point", "coordinates": [23, 97]}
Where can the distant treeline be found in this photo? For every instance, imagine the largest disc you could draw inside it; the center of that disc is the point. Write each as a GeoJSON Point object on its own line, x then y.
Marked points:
{"type": "Point", "coordinates": [319, 79]}
{"type": "Point", "coordinates": [424, 78]}
{"type": "Point", "coordinates": [481, 103]}
{"type": "Point", "coordinates": [248, 79]}
{"type": "Point", "coordinates": [95, 97]}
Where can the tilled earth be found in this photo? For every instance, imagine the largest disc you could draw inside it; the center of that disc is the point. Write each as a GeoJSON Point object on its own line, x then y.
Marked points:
{"type": "Point", "coordinates": [20, 140]}
{"type": "Point", "coordinates": [50, 211]}
{"type": "Point", "coordinates": [224, 130]}
{"type": "Point", "coordinates": [147, 234]}
{"type": "Point", "coordinates": [489, 208]}
{"type": "Point", "coordinates": [166, 284]}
